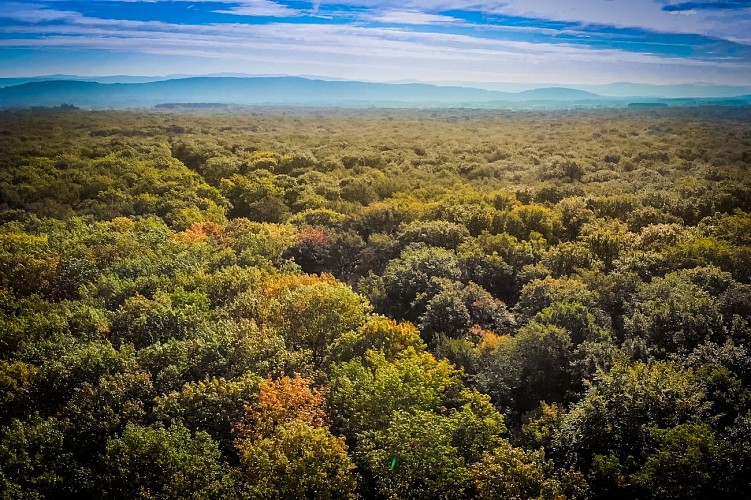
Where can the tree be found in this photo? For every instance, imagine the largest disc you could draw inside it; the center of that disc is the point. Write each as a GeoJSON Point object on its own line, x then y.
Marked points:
{"type": "Point", "coordinates": [297, 461]}
{"type": "Point", "coordinates": [524, 220]}
{"type": "Point", "coordinates": [26, 265]}
{"type": "Point", "coordinates": [259, 244]}
{"type": "Point", "coordinates": [311, 315]}
{"type": "Point", "coordinates": [366, 392]}
{"type": "Point", "coordinates": [606, 240]}
{"type": "Point", "coordinates": [358, 189]}
{"type": "Point", "coordinates": [581, 324]}
{"type": "Point", "coordinates": [231, 351]}
{"type": "Point", "coordinates": [318, 249]}
{"type": "Point", "coordinates": [516, 474]}
{"type": "Point", "coordinates": [680, 466]}
{"type": "Point", "coordinates": [33, 462]}
{"type": "Point", "coordinates": [567, 258]}
{"type": "Point", "coordinates": [216, 168]}
{"type": "Point", "coordinates": [77, 364]}
{"type": "Point", "coordinates": [95, 412]}
{"type": "Point", "coordinates": [609, 421]}
{"type": "Point", "coordinates": [530, 367]}
{"type": "Point", "coordinates": [445, 313]}
{"type": "Point", "coordinates": [213, 406]}
{"type": "Point", "coordinates": [436, 233]}
{"type": "Point", "coordinates": [158, 462]}
{"type": "Point", "coordinates": [732, 458]}
{"type": "Point", "coordinates": [411, 274]}
{"type": "Point", "coordinates": [386, 217]}
{"type": "Point", "coordinates": [541, 293]}
{"type": "Point", "coordinates": [487, 269]}
{"type": "Point", "coordinates": [415, 457]}
{"type": "Point", "coordinates": [319, 217]}
{"type": "Point", "coordinates": [379, 334]}
{"type": "Point", "coordinates": [574, 215]}
{"type": "Point", "coordinates": [455, 308]}
{"type": "Point", "coordinates": [257, 196]}
{"type": "Point", "coordinates": [142, 321]}
{"type": "Point", "coordinates": [475, 215]}
{"type": "Point", "coordinates": [674, 315]}
{"type": "Point", "coordinates": [16, 387]}
{"type": "Point", "coordinates": [278, 403]}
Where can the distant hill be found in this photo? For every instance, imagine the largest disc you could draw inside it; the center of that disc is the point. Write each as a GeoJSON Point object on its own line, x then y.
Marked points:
{"type": "Point", "coordinates": [295, 91]}
{"type": "Point", "coordinates": [8, 82]}
{"type": "Point", "coordinates": [271, 90]}
{"type": "Point", "coordinates": [626, 89]}
{"type": "Point", "coordinates": [557, 94]}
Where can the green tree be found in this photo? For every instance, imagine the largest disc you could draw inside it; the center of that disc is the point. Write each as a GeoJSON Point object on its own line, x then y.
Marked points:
{"type": "Point", "coordinates": [680, 466]}
{"type": "Point", "coordinates": [541, 293]}
{"type": "Point", "coordinates": [157, 462]}
{"type": "Point", "coordinates": [380, 334]}
{"type": "Point", "coordinates": [610, 421]}
{"type": "Point", "coordinates": [142, 321]}
{"type": "Point", "coordinates": [411, 274]}
{"type": "Point", "coordinates": [415, 457]}
{"type": "Point", "coordinates": [213, 406]}
{"type": "Point", "coordinates": [606, 240]}
{"type": "Point", "coordinates": [366, 392]}
{"type": "Point", "coordinates": [674, 315]}
{"type": "Point", "coordinates": [77, 364]}
{"type": "Point", "coordinates": [231, 351]}
{"type": "Point", "coordinates": [436, 233]}
{"type": "Point", "coordinates": [257, 196]}
{"type": "Point", "coordinates": [33, 461]}
{"type": "Point", "coordinates": [488, 270]}
{"type": "Point", "coordinates": [16, 387]}
{"type": "Point", "coordinates": [513, 473]}
{"type": "Point", "coordinates": [312, 314]}
{"type": "Point", "coordinates": [297, 461]}
{"type": "Point", "coordinates": [455, 308]}
{"type": "Point", "coordinates": [98, 411]}
{"type": "Point", "coordinates": [530, 367]}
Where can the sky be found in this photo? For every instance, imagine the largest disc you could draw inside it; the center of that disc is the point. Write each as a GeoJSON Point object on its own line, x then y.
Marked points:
{"type": "Point", "coordinates": [538, 41]}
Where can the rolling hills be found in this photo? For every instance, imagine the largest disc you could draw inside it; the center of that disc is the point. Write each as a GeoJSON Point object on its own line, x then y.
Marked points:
{"type": "Point", "coordinates": [297, 91]}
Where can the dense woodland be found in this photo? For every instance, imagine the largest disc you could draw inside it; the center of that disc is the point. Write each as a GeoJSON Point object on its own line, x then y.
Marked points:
{"type": "Point", "coordinates": [278, 303]}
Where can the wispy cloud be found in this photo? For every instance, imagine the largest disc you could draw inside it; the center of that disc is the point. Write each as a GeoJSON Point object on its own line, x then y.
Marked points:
{"type": "Point", "coordinates": [34, 13]}
{"type": "Point", "coordinates": [261, 8]}
{"type": "Point", "coordinates": [409, 17]}
{"type": "Point", "coordinates": [654, 15]}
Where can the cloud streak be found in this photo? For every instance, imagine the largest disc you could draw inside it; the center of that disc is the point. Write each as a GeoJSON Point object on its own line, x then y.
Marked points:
{"type": "Point", "coordinates": [261, 8]}
{"type": "Point", "coordinates": [409, 17]}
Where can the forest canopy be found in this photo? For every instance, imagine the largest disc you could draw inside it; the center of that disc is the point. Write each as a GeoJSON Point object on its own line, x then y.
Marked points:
{"type": "Point", "coordinates": [277, 303]}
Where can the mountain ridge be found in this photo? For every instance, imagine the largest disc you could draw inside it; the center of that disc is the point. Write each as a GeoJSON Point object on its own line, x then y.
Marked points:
{"type": "Point", "coordinates": [296, 91]}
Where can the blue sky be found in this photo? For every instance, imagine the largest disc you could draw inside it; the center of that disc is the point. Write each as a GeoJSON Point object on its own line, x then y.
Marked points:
{"type": "Point", "coordinates": [542, 41]}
